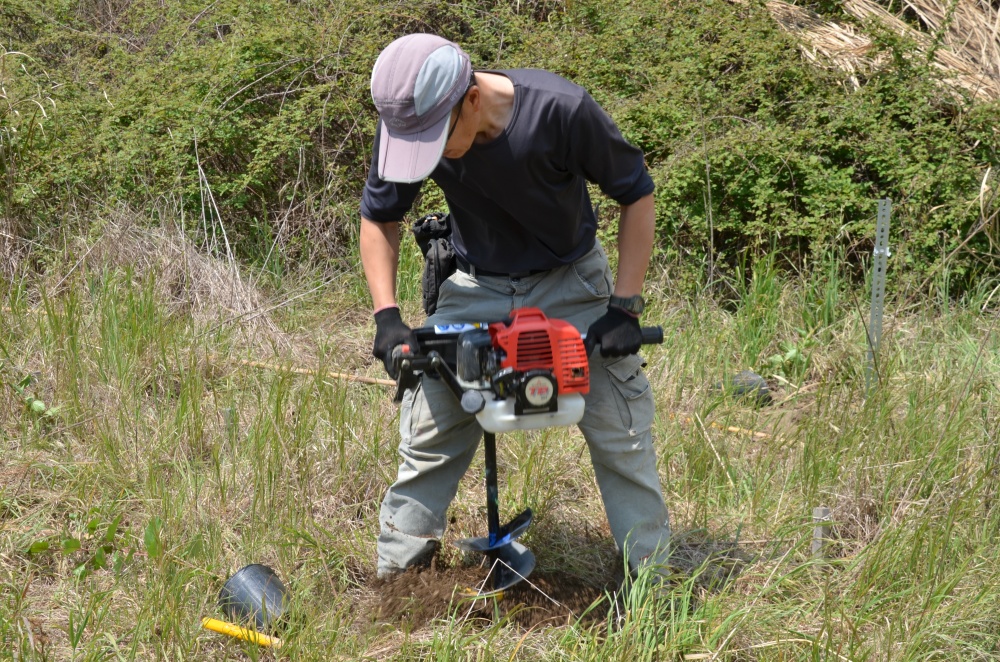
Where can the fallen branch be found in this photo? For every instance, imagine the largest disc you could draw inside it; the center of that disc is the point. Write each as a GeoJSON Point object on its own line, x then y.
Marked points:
{"type": "Point", "coordinates": [304, 371]}
{"type": "Point", "coordinates": [727, 428]}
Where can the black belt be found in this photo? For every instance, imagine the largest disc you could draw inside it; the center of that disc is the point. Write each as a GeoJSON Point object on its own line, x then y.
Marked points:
{"type": "Point", "coordinates": [474, 271]}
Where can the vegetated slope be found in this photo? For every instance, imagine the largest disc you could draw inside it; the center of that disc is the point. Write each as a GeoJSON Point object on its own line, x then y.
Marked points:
{"type": "Point", "coordinates": [254, 118]}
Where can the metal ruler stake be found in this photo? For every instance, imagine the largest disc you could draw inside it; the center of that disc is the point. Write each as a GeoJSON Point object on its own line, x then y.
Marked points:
{"type": "Point", "coordinates": [880, 259]}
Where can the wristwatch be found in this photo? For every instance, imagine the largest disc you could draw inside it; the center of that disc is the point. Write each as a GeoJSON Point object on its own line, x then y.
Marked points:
{"type": "Point", "coordinates": [633, 305]}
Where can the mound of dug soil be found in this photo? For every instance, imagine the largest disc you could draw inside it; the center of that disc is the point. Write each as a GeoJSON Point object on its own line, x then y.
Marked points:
{"type": "Point", "coordinates": [423, 594]}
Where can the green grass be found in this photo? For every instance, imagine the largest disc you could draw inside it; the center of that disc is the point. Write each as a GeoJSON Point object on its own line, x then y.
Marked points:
{"type": "Point", "coordinates": [164, 460]}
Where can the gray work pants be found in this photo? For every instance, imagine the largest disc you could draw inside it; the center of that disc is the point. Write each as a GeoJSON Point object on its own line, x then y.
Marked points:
{"type": "Point", "coordinates": [438, 440]}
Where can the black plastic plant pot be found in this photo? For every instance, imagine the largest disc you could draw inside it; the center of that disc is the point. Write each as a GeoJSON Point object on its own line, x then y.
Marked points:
{"type": "Point", "coordinates": [254, 595]}
{"type": "Point", "coordinates": [750, 387]}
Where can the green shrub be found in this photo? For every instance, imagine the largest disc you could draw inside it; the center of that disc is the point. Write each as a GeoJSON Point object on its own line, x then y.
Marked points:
{"type": "Point", "coordinates": [254, 119]}
{"type": "Point", "coordinates": [751, 147]}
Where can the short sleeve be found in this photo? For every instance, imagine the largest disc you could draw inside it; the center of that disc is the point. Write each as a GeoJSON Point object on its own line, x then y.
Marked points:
{"type": "Point", "coordinates": [383, 201]}
{"type": "Point", "coordinates": [598, 151]}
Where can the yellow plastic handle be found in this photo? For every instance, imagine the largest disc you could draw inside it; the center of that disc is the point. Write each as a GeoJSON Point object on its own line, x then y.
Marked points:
{"type": "Point", "coordinates": [231, 630]}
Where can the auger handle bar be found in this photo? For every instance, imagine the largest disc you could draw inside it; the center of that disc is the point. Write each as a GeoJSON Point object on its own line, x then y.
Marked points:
{"type": "Point", "coordinates": [437, 353]}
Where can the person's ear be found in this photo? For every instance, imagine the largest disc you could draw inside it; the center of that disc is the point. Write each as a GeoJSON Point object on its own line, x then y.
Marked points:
{"type": "Point", "coordinates": [474, 97]}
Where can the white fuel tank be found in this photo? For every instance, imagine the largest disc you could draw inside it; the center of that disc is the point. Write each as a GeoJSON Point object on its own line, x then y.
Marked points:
{"type": "Point", "coordinates": [498, 415]}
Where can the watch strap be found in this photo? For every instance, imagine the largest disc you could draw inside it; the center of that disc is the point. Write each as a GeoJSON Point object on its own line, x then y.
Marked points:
{"type": "Point", "coordinates": [633, 305]}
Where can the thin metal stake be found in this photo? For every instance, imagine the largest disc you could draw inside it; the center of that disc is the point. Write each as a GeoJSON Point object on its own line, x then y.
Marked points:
{"type": "Point", "coordinates": [880, 258]}
{"type": "Point", "coordinates": [822, 531]}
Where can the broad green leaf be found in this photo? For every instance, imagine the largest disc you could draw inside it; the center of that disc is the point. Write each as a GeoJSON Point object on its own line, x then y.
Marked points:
{"type": "Point", "coordinates": [113, 528]}
{"type": "Point", "coordinates": [38, 547]}
{"type": "Point", "coordinates": [151, 537]}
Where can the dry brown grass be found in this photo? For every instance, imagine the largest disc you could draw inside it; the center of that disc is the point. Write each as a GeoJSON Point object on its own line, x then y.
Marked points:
{"type": "Point", "coordinates": [215, 294]}
{"type": "Point", "coordinates": [962, 39]}
{"type": "Point", "coordinates": [187, 280]}
{"type": "Point", "coordinates": [12, 249]}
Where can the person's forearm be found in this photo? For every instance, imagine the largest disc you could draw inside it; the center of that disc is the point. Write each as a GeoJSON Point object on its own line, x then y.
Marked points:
{"type": "Point", "coordinates": [380, 258]}
{"type": "Point", "coordinates": [636, 232]}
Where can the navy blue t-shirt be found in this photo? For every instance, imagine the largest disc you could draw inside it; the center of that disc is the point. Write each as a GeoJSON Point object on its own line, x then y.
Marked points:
{"type": "Point", "coordinates": [520, 202]}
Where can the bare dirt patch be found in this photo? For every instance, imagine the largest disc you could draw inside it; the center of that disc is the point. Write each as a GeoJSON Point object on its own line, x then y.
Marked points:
{"type": "Point", "coordinates": [547, 598]}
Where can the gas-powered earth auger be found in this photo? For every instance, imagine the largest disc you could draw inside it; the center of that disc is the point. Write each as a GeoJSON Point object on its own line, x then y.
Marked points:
{"type": "Point", "coordinates": [525, 373]}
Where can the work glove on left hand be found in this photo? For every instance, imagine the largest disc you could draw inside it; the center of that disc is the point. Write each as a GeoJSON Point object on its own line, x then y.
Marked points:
{"type": "Point", "coordinates": [617, 332]}
{"type": "Point", "coordinates": [391, 332]}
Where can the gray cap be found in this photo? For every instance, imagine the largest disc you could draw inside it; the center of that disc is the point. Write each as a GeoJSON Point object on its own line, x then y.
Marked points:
{"type": "Point", "coordinates": [416, 81]}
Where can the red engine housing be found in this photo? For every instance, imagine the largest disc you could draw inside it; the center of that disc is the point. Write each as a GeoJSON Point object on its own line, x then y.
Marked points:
{"type": "Point", "coordinates": [534, 342]}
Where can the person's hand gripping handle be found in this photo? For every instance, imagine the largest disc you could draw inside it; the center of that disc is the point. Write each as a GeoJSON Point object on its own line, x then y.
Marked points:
{"type": "Point", "coordinates": [390, 333]}
{"type": "Point", "coordinates": [617, 332]}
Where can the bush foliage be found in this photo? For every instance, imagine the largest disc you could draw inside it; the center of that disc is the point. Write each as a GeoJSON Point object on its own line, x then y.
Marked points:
{"type": "Point", "coordinates": [251, 121]}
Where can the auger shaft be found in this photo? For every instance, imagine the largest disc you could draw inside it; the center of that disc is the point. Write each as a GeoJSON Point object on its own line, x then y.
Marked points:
{"type": "Point", "coordinates": [492, 490]}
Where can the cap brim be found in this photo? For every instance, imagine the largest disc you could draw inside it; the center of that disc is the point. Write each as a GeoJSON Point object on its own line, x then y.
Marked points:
{"type": "Point", "coordinates": [412, 157]}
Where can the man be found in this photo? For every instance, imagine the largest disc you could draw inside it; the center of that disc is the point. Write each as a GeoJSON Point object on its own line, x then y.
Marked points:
{"type": "Point", "coordinates": [512, 151]}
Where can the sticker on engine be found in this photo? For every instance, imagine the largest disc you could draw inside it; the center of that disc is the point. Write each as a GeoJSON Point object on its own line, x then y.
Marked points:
{"type": "Point", "coordinates": [458, 328]}
{"type": "Point", "coordinates": [538, 391]}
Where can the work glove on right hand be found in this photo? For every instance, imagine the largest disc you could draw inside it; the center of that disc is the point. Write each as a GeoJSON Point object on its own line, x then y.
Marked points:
{"type": "Point", "coordinates": [390, 332]}
{"type": "Point", "coordinates": [617, 332]}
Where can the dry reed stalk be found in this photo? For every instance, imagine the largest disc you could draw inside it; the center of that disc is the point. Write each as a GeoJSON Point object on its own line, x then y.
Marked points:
{"type": "Point", "coordinates": [965, 45]}
{"type": "Point", "coordinates": [970, 28]}
{"type": "Point", "coordinates": [826, 42]}
{"type": "Point", "coordinates": [962, 55]}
